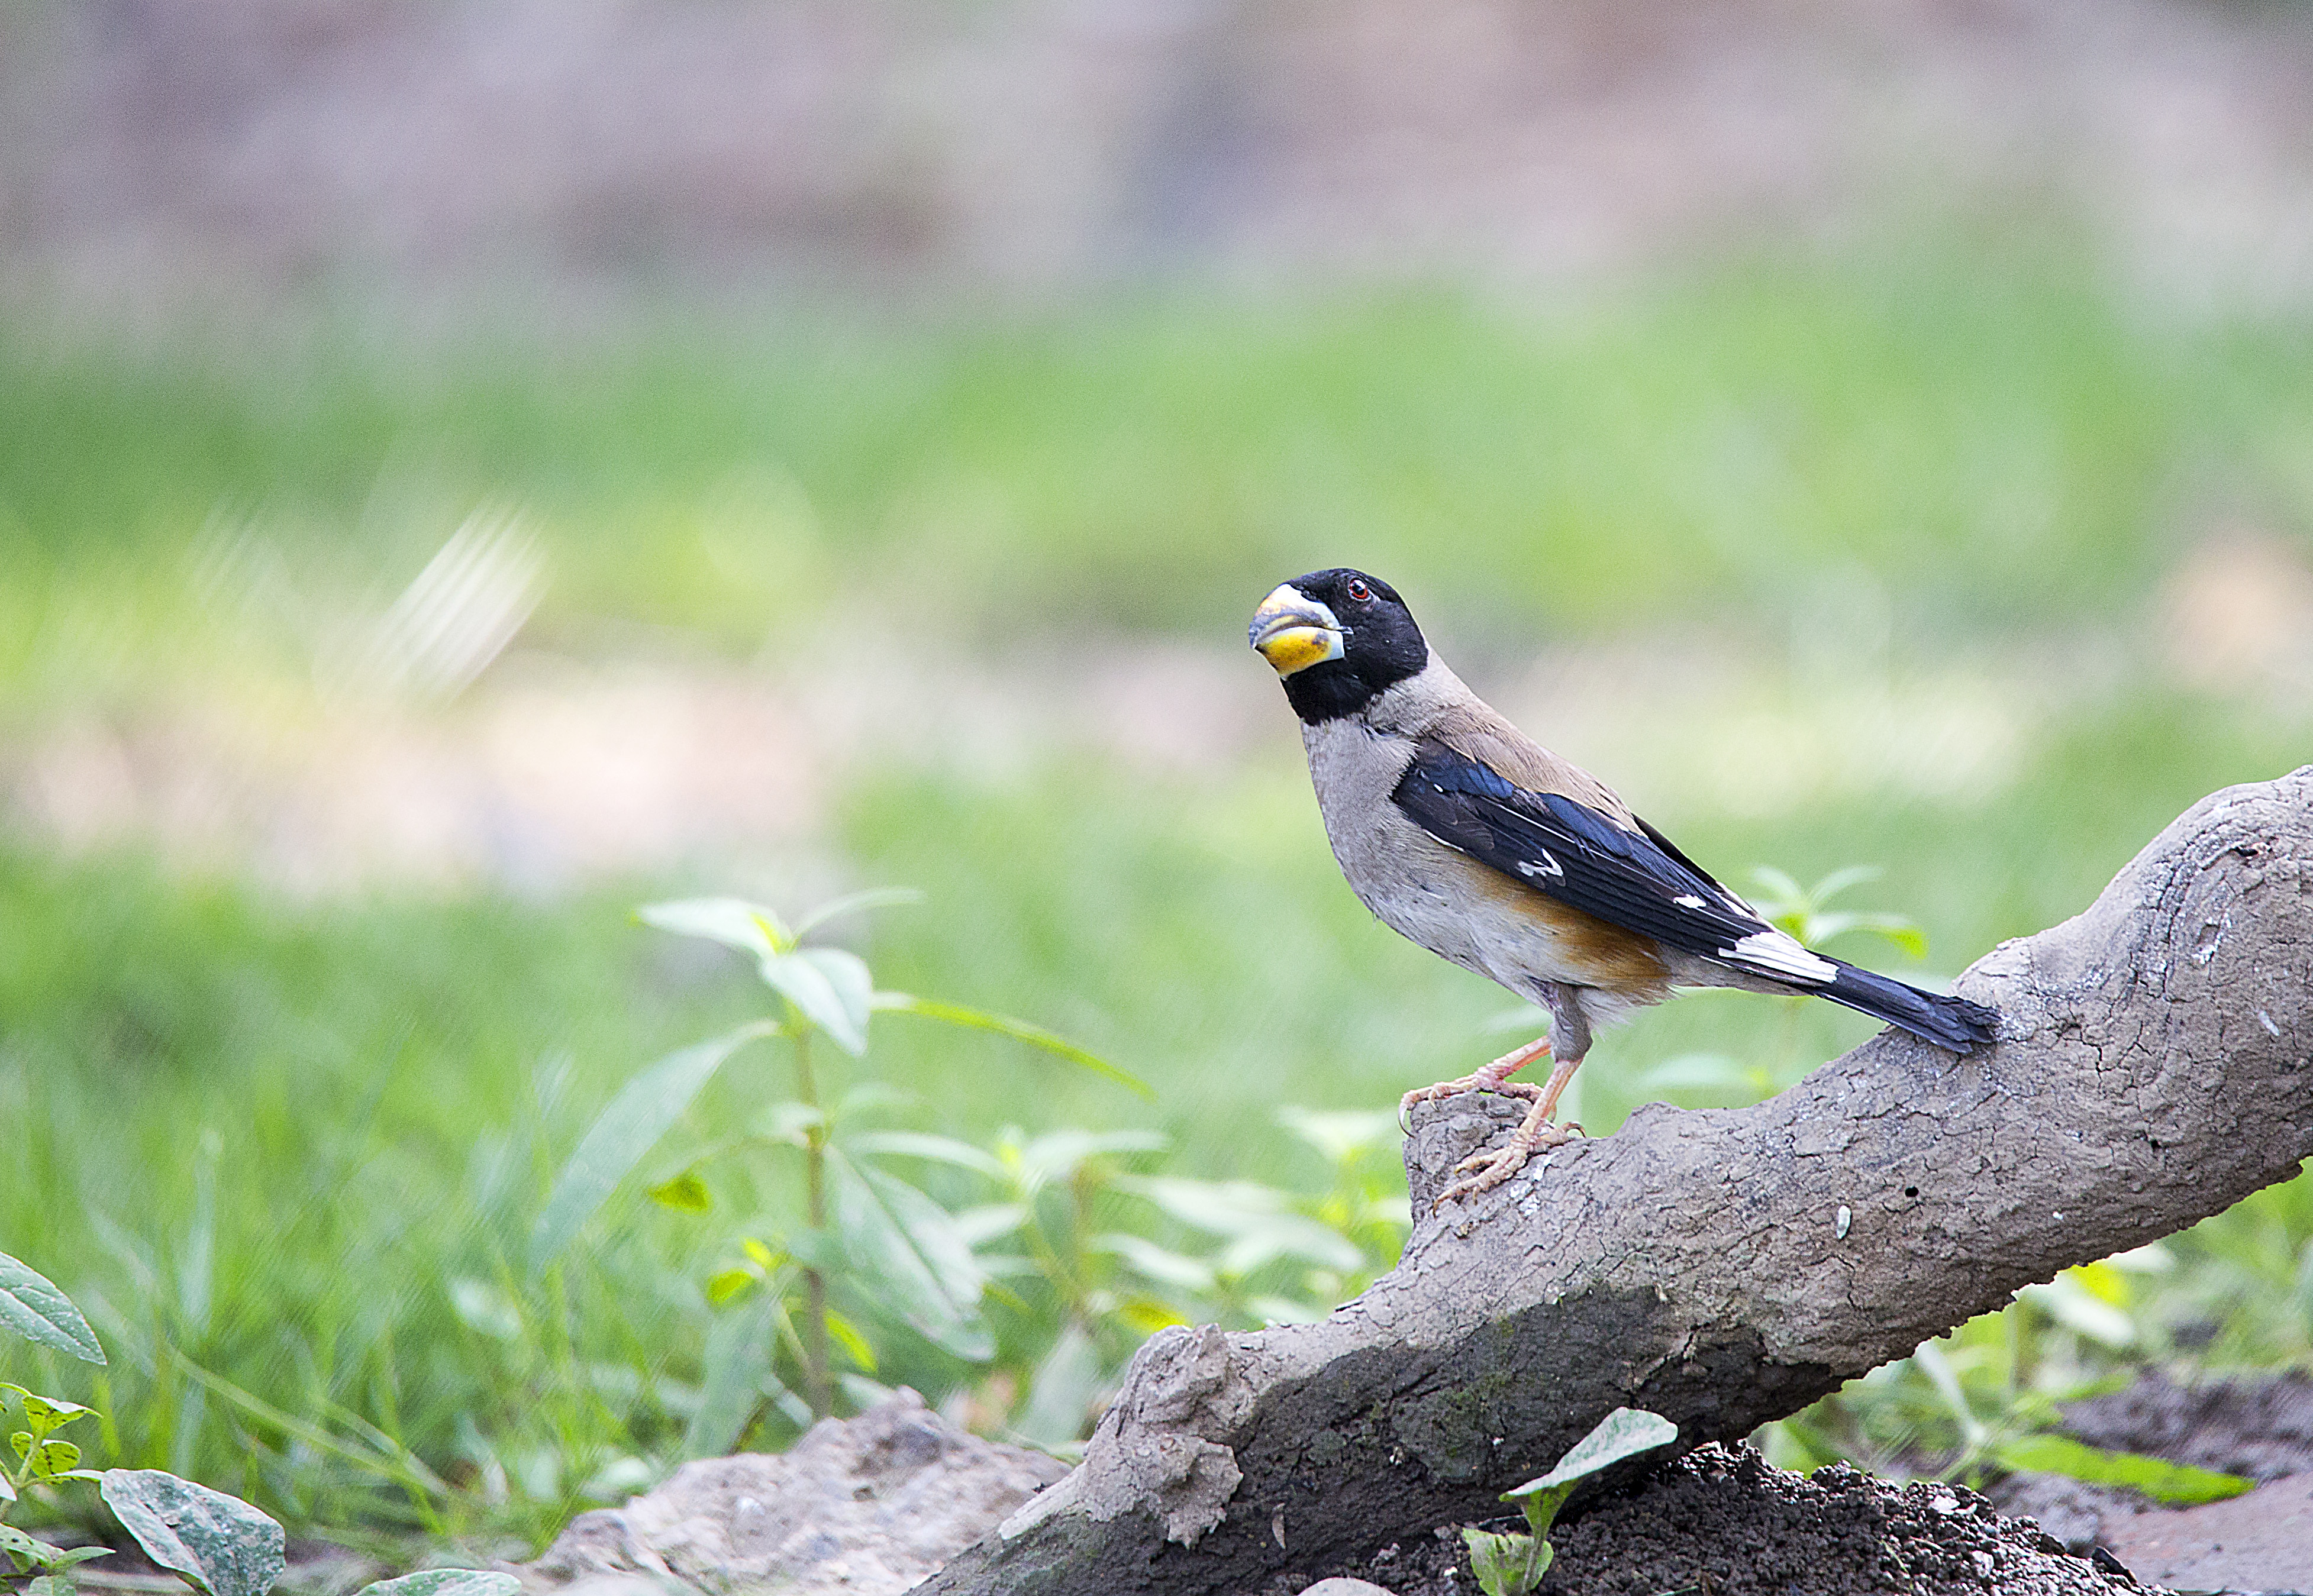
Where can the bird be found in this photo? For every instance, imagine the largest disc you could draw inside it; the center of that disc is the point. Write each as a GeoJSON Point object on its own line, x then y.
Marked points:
{"type": "Point", "coordinates": [1464, 835]}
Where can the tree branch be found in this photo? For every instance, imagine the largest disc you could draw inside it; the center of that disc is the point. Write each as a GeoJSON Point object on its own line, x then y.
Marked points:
{"type": "Point", "coordinates": [1726, 1268]}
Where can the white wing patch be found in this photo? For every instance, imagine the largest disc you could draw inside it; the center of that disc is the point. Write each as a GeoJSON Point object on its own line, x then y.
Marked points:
{"type": "Point", "coordinates": [1777, 953]}
{"type": "Point", "coordinates": [1688, 900]}
{"type": "Point", "coordinates": [1549, 866]}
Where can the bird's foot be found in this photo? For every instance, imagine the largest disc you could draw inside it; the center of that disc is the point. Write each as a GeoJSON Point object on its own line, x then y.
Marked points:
{"type": "Point", "coordinates": [1490, 1167]}
{"type": "Point", "coordinates": [1479, 1080]}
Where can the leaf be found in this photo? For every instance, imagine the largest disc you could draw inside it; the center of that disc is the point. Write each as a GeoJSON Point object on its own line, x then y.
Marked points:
{"type": "Point", "coordinates": [2071, 1304]}
{"type": "Point", "coordinates": [791, 1122]}
{"type": "Point", "coordinates": [1509, 1565]}
{"type": "Point", "coordinates": [909, 1144]}
{"type": "Point", "coordinates": [906, 1253]}
{"type": "Point", "coordinates": [726, 1286]}
{"type": "Point", "coordinates": [848, 1337]}
{"type": "Point", "coordinates": [77, 1556]}
{"type": "Point", "coordinates": [852, 903]}
{"type": "Point", "coordinates": [1058, 1156]}
{"type": "Point", "coordinates": [1021, 1031]}
{"type": "Point", "coordinates": [644, 1109]}
{"type": "Point", "coordinates": [1160, 1264]}
{"type": "Point", "coordinates": [27, 1552]}
{"type": "Point", "coordinates": [32, 1306]}
{"type": "Point", "coordinates": [52, 1458]}
{"type": "Point", "coordinates": [829, 988]}
{"type": "Point", "coordinates": [733, 922]}
{"type": "Point", "coordinates": [1625, 1432]}
{"type": "Point", "coordinates": [1256, 1219]}
{"type": "Point", "coordinates": [737, 1365]}
{"type": "Point", "coordinates": [1061, 1392]}
{"type": "Point", "coordinates": [686, 1193]}
{"type": "Point", "coordinates": [2155, 1477]}
{"type": "Point", "coordinates": [44, 1414]}
{"type": "Point", "coordinates": [219, 1542]}
{"type": "Point", "coordinates": [445, 1581]}
{"type": "Point", "coordinates": [983, 1223]}
{"type": "Point", "coordinates": [1147, 1315]}
{"type": "Point", "coordinates": [1342, 1134]}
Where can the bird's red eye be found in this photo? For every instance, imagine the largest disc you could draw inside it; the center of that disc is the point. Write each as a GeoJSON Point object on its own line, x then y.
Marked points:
{"type": "Point", "coordinates": [1358, 592]}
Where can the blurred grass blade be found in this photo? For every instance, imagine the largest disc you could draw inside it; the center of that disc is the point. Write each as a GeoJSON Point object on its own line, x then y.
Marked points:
{"type": "Point", "coordinates": [2157, 1477]}
{"type": "Point", "coordinates": [1930, 1360]}
{"type": "Point", "coordinates": [904, 1249]}
{"type": "Point", "coordinates": [852, 903]}
{"type": "Point", "coordinates": [390, 1461]}
{"type": "Point", "coordinates": [1035, 1035]}
{"type": "Point", "coordinates": [32, 1306]}
{"type": "Point", "coordinates": [462, 608]}
{"type": "Point", "coordinates": [219, 1542]}
{"type": "Point", "coordinates": [641, 1113]}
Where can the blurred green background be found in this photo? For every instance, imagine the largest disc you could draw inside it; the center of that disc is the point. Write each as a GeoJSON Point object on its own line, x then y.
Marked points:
{"type": "Point", "coordinates": [366, 656]}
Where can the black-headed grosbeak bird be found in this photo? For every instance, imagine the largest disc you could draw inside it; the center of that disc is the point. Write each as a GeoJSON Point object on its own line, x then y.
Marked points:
{"type": "Point", "coordinates": [1466, 836]}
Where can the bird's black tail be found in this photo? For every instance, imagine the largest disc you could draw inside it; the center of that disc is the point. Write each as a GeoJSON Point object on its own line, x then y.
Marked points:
{"type": "Point", "coordinates": [1951, 1023]}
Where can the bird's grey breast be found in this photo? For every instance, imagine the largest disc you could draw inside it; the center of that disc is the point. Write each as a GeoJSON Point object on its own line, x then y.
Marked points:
{"type": "Point", "coordinates": [1401, 872]}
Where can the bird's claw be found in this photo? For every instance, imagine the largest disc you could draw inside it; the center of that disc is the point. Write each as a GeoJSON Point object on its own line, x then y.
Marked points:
{"type": "Point", "coordinates": [1490, 1167]}
{"type": "Point", "coordinates": [1445, 1089]}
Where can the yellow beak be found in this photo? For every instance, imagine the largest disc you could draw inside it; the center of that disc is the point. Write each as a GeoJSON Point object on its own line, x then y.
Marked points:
{"type": "Point", "coordinates": [1293, 631]}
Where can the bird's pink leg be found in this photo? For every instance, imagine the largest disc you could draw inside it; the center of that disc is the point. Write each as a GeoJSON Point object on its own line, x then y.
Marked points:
{"type": "Point", "coordinates": [1486, 1077]}
{"type": "Point", "coordinates": [1495, 1165]}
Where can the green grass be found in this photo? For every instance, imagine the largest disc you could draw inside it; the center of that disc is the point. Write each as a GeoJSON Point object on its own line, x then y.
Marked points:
{"type": "Point", "coordinates": [1997, 447]}
{"type": "Point", "coordinates": [304, 1145]}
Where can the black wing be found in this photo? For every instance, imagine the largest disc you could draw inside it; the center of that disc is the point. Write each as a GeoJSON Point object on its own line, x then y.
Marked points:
{"type": "Point", "coordinates": [1638, 880]}
{"type": "Point", "coordinates": [1570, 851]}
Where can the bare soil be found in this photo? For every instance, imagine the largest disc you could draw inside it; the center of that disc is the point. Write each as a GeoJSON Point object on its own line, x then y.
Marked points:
{"type": "Point", "coordinates": [1719, 1521]}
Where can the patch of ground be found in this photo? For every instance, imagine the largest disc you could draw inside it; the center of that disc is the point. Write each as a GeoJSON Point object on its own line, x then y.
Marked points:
{"type": "Point", "coordinates": [2262, 1541]}
{"type": "Point", "coordinates": [1721, 1521]}
{"type": "Point", "coordinates": [2260, 1429]}
{"type": "Point", "coordinates": [867, 1505]}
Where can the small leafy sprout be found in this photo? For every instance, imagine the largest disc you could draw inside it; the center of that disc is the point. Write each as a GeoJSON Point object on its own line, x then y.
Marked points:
{"type": "Point", "coordinates": [1513, 1565]}
{"type": "Point", "coordinates": [864, 1235]}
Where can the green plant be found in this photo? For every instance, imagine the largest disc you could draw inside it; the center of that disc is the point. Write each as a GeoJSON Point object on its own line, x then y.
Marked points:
{"type": "Point", "coordinates": [864, 1238]}
{"type": "Point", "coordinates": [1989, 1397]}
{"type": "Point", "coordinates": [1513, 1564]}
{"type": "Point", "coordinates": [217, 1542]}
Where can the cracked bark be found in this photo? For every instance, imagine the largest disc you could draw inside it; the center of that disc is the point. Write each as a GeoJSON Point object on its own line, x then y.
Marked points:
{"type": "Point", "coordinates": [2153, 1068]}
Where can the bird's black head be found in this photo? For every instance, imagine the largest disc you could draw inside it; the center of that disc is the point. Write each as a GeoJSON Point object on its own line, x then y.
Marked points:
{"type": "Point", "coordinates": [1338, 638]}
